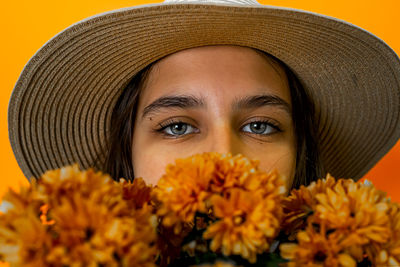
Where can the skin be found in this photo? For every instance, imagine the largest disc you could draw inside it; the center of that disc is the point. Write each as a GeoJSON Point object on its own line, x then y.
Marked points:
{"type": "Point", "coordinates": [219, 76]}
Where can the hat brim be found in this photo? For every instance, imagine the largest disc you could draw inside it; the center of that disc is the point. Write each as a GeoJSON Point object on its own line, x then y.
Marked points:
{"type": "Point", "coordinates": [61, 106]}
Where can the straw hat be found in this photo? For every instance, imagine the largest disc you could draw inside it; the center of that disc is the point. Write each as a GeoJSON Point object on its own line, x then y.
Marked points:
{"type": "Point", "coordinates": [60, 109]}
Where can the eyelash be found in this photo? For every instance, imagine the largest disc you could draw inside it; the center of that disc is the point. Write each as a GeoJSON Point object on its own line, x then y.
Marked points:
{"type": "Point", "coordinates": [171, 122]}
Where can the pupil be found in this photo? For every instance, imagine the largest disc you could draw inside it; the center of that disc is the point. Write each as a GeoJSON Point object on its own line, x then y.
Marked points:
{"type": "Point", "coordinates": [258, 127]}
{"type": "Point", "coordinates": [179, 128]}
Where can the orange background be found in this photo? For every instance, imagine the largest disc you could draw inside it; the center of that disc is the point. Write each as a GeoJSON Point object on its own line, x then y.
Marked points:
{"type": "Point", "coordinates": [26, 25]}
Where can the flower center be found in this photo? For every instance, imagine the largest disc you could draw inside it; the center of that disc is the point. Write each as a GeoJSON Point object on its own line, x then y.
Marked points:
{"type": "Point", "coordinates": [319, 256]}
{"type": "Point", "coordinates": [239, 219]}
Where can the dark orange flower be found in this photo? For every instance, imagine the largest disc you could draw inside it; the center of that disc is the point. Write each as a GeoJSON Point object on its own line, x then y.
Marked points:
{"type": "Point", "coordinates": [136, 193]}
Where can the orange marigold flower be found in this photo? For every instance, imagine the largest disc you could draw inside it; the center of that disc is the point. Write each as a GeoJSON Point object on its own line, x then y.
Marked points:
{"type": "Point", "coordinates": [316, 248]}
{"type": "Point", "coordinates": [388, 253]}
{"type": "Point", "coordinates": [301, 203]}
{"type": "Point", "coordinates": [358, 216]}
{"type": "Point", "coordinates": [217, 264]}
{"type": "Point", "coordinates": [183, 189]}
{"type": "Point", "coordinates": [170, 244]}
{"type": "Point", "coordinates": [186, 187]}
{"type": "Point", "coordinates": [247, 223]}
{"type": "Point", "coordinates": [359, 211]}
{"type": "Point", "coordinates": [23, 237]}
{"type": "Point", "coordinates": [95, 223]}
{"type": "Point", "coordinates": [137, 193]}
{"type": "Point", "coordinates": [233, 171]}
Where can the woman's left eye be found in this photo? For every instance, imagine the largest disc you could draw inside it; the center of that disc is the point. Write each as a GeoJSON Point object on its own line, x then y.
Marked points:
{"type": "Point", "coordinates": [260, 127]}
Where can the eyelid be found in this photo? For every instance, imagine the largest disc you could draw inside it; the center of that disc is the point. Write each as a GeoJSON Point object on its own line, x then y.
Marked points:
{"type": "Point", "coordinates": [169, 122]}
{"type": "Point", "coordinates": [274, 123]}
{"type": "Point", "coordinates": [165, 124]}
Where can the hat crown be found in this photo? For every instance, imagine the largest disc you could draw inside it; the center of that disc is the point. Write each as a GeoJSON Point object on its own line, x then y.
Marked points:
{"type": "Point", "coordinates": [230, 2]}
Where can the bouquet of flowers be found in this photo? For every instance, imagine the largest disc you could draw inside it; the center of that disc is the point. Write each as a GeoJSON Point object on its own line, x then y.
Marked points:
{"type": "Point", "coordinates": [209, 209]}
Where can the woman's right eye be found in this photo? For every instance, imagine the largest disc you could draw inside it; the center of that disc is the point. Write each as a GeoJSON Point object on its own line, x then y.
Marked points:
{"type": "Point", "coordinates": [176, 129]}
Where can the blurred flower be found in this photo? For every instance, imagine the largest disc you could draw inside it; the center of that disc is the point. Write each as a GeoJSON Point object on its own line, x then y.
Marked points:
{"type": "Point", "coordinates": [217, 264]}
{"type": "Point", "coordinates": [43, 217]}
{"type": "Point", "coordinates": [24, 240]}
{"type": "Point", "coordinates": [316, 248]}
{"type": "Point", "coordinates": [93, 222]}
{"type": "Point", "coordinates": [136, 193]}
{"type": "Point", "coordinates": [22, 234]}
{"type": "Point", "coordinates": [388, 253]}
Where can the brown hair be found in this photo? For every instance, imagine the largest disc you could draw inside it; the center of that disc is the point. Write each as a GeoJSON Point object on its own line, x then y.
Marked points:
{"type": "Point", "coordinates": [118, 161]}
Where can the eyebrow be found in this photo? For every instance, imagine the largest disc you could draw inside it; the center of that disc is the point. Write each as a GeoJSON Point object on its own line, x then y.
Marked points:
{"type": "Point", "coordinates": [189, 101]}
{"type": "Point", "coordinates": [173, 101]}
{"type": "Point", "coordinates": [257, 101]}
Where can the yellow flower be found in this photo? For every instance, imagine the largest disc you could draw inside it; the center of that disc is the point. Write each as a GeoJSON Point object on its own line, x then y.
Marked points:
{"type": "Point", "coordinates": [247, 222]}
{"type": "Point", "coordinates": [316, 248]}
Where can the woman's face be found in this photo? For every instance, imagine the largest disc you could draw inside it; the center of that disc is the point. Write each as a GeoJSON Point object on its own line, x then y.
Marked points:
{"type": "Point", "coordinates": [214, 98]}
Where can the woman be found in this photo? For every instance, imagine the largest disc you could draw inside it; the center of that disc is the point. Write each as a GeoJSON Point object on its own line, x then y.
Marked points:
{"type": "Point", "coordinates": [76, 100]}
{"type": "Point", "coordinates": [194, 101]}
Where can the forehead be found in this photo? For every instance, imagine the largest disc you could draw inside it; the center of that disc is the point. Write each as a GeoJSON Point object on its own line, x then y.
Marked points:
{"type": "Point", "coordinates": [222, 72]}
